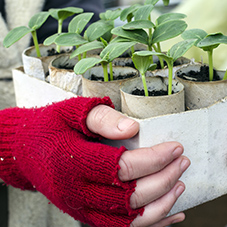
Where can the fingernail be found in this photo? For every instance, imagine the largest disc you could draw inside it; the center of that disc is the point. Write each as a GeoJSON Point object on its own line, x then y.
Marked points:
{"type": "Point", "coordinates": [184, 164]}
{"type": "Point", "coordinates": [179, 190]}
{"type": "Point", "coordinates": [125, 123]}
{"type": "Point", "coordinates": [176, 221]}
{"type": "Point", "coordinates": [177, 152]}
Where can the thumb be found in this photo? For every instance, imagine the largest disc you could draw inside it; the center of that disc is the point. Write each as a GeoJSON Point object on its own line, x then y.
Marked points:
{"type": "Point", "coordinates": [111, 124]}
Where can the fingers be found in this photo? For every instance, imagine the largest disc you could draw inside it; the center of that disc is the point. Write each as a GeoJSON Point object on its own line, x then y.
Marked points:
{"type": "Point", "coordinates": [170, 220]}
{"type": "Point", "coordinates": [155, 213]}
{"type": "Point", "coordinates": [154, 186]}
{"type": "Point", "coordinates": [145, 161]}
{"type": "Point", "coordinates": [111, 124]}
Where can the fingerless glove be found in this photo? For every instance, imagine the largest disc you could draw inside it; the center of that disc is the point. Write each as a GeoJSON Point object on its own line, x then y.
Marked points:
{"type": "Point", "coordinates": [51, 150]}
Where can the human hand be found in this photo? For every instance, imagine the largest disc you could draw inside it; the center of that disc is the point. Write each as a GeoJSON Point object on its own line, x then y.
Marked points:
{"type": "Point", "coordinates": [156, 169]}
{"type": "Point", "coordinates": [53, 150]}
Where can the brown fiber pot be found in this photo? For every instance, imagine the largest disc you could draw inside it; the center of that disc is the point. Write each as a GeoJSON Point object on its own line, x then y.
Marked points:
{"type": "Point", "coordinates": [93, 88]}
{"type": "Point", "coordinates": [62, 74]}
{"type": "Point", "coordinates": [145, 107]}
{"type": "Point", "coordinates": [201, 94]}
{"type": "Point", "coordinates": [38, 67]}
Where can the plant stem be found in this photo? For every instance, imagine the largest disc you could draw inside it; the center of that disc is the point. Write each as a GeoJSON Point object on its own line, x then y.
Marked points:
{"type": "Point", "coordinates": [160, 59]}
{"type": "Point", "coordinates": [211, 68]}
{"type": "Point", "coordinates": [132, 50]}
{"type": "Point", "coordinates": [150, 29]}
{"type": "Point", "coordinates": [36, 44]}
{"type": "Point", "coordinates": [150, 49]}
{"type": "Point", "coordinates": [149, 37]}
{"type": "Point", "coordinates": [60, 22]}
{"type": "Point", "coordinates": [111, 71]}
{"type": "Point", "coordinates": [79, 56]}
{"type": "Point", "coordinates": [170, 67]}
{"type": "Point", "coordinates": [105, 72]}
{"type": "Point", "coordinates": [225, 76]}
{"type": "Point", "coordinates": [144, 84]}
{"type": "Point", "coordinates": [84, 54]}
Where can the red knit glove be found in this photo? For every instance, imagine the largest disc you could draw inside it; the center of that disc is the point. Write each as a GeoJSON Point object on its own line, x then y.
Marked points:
{"type": "Point", "coordinates": [51, 149]}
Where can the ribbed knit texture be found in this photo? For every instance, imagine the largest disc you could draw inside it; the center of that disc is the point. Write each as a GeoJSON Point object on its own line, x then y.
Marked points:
{"type": "Point", "coordinates": [50, 149]}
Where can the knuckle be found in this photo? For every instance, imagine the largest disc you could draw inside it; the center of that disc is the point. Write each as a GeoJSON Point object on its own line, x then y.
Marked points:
{"type": "Point", "coordinates": [126, 171]}
{"type": "Point", "coordinates": [168, 182]}
{"type": "Point", "coordinates": [99, 115]}
{"type": "Point", "coordinates": [161, 160]}
{"type": "Point", "coordinates": [101, 112]}
{"type": "Point", "coordinates": [136, 200]}
{"type": "Point", "coordinates": [164, 210]}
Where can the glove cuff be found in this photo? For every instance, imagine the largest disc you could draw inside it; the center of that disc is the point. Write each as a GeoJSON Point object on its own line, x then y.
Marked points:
{"type": "Point", "coordinates": [75, 110]}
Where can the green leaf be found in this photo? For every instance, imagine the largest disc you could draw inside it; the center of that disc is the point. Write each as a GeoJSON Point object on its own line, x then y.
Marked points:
{"type": "Point", "coordinates": [83, 65]}
{"type": "Point", "coordinates": [114, 50]}
{"type": "Point", "coordinates": [110, 14]}
{"type": "Point", "coordinates": [119, 39]}
{"type": "Point", "coordinates": [152, 67]}
{"type": "Point", "coordinates": [14, 35]}
{"type": "Point", "coordinates": [168, 30]}
{"type": "Point", "coordinates": [107, 36]}
{"type": "Point", "coordinates": [169, 16]}
{"type": "Point", "coordinates": [62, 14]}
{"type": "Point", "coordinates": [98, 29]}
{"type": "Point", "coordinates": [143, 12]}
{"type": "Point", "coordinates": [38, 20]}
{"type": "Point", "coordinates": [195, 33]}
{"type": "Point", "coordinates": [151, 53]}
{"type": "Point", "coordinates": [128, 12]}
{"type": "Point", "coordinates": [179, 49]}
{"type": "Point", "coordinates": [70, 39]}
{"type": "Point", "coordinates": [87, 47]}
{"type": "Point", "coordinates": [142, 62]}
{"type": "Point", "coordinates": [138, 24]}
{"type": "Point", "coordinates": [153, 2]}
{"type": "Point", "coordinates": [51, 39]}
{"type": "Point", "coordinates": [78, 23]}
{"type": "Point", "coordinates": [212, 41]}
{"type": "Point", "coordinates": [138, 35]}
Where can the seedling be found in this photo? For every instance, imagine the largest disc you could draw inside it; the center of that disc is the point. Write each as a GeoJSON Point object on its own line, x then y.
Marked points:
{"type": "Point", "coordinates": [75, 28]}
{"type": "Point", "coordinates": [167, 26]}
{"type": "Point", "coordinates": [91, 39]}
{"type": "Point", "coordinates": [109, 53]}
{"type": "Point", "coordinates": [61, 14]}
{"type": "Point", "coordinates": [33, 25]}
{"type": "Point", "coordinates": [207, 42]}
{"type": "Point", "coordinates": [142, 61]}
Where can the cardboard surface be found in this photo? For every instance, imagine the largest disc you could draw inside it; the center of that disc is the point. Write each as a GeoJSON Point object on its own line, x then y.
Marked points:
{"type": "Point", "coordinates": [202, 132]}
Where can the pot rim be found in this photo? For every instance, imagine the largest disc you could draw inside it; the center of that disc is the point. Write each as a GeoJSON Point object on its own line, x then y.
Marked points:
{"type": "Point", "coordinates": [151, 97]}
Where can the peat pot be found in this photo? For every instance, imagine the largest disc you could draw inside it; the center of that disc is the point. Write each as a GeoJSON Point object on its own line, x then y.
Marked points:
{"type": "Point", "coordinates": [180, 62]}
{"type": "Point", "coordinates": [61, 74]}
{"type": "Point", "coordinates": [144, 107]}
{"type": "Point", "coordinates": [201, 94]}
{"type": "Point", "coordinates": [94, 88]}
{"type": "Point", "coordinates": [38, 67]}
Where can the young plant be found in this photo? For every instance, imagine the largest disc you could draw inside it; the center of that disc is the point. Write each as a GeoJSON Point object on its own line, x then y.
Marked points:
{"type": "Point", "coordinates": [75, 28]}
{"type": "Point", "coordinates": [60, 15]}
{"type": "Point", "coordinates": [33, 25]}
{"type": "Point", "coordinates": [167, 26]}
{"type": "Point", "coordinates": [91, 39]}
{"type": "Point", "coordinates": [141, 60]}
{"type": "Point", "coordinates": [206, 42]}
{"type": "Point", "coordinates": [109, 53]}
